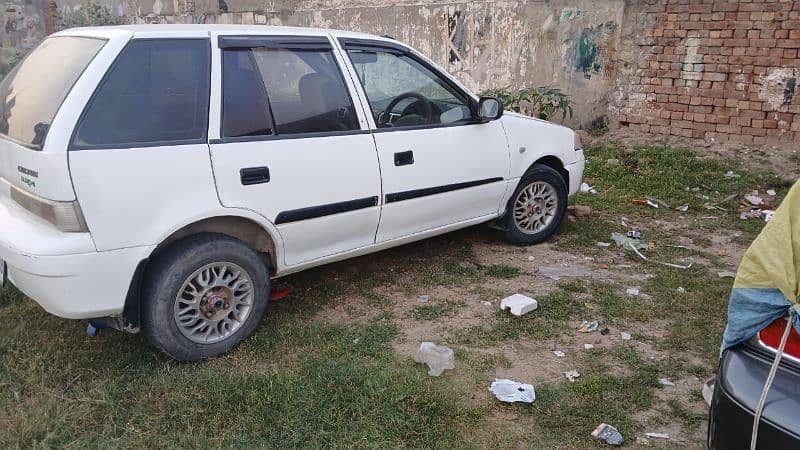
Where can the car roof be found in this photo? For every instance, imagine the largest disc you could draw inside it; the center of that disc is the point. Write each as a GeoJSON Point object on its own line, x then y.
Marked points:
{"type": "Point", "coordinates": [178, 30]}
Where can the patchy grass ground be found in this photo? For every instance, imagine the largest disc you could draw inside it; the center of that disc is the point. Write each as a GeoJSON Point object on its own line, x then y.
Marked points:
{"type": "Point", "coordinates": [331, 366]}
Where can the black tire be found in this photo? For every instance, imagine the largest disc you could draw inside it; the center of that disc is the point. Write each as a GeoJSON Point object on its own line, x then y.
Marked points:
{"type": "Point", "coordinates": [166, 275]}
{"type": "Point", "coordinates": [547, 175]}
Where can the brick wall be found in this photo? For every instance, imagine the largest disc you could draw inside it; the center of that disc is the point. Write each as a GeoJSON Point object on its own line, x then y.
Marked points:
{"type": "Point", "coordinates": [714, 70]}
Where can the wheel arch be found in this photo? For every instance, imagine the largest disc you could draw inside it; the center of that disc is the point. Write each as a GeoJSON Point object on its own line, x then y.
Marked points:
{"type": "Point", "coordinates": [554, 163]}
{"type": "Point", "coordinates": [246, 229]}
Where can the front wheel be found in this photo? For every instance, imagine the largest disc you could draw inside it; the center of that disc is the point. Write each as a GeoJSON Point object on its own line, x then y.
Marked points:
{"type": "Point", "coordinates": [203, 295]}
{"type": "Point", "coordinates": [537, 206]}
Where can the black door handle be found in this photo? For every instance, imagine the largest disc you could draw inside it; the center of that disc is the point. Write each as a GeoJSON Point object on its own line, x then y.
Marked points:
{"type": "Point", "coordinates": [254, 175]}
{"type": "Point", "coordinates": [404, 158]}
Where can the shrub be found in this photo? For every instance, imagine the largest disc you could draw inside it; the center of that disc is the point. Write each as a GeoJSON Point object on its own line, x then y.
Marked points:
{"type": "Point", "coordinates": [544, 101]}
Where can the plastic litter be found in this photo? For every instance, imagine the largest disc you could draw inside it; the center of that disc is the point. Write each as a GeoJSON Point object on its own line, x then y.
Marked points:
{"type": "Point", "coordinates": [424, 298]}
{"type": "Point", "coordinates": [609, 434]}
{"type": "Point", "coordinates": [588, 327]}
{"type": "Point", "coordinates": [511, 391]}
{"type": "Point", "coordinates": [681, 290]}
{"type": "Point", "coordinates": [486, 303]}
{"type": "Point", "coordinates": [666, 382]}
{"type": "Point", "coordinates": [519, 304]}
{"type": "Point", "coordinates": [628, 242]}
{"type": "Point", "coordinates": [604, 244]}
{"type": "Point", "coordinates": [754, 199]}
{"type": "Point", "coordinates": [625, 336]}
{"type": "Point", "coordinates": [605, 331]}
{"type": "Point", "coordinates": [588, 346]}
{"type": "Point", "coordinates": [587, 189]}
{"type": "Point", "coordinates": [726, 274]}
{"type": "Point", "coordinates": [657, 435]}
{"type": "Point", "coordinates": [771, 192]}
{"type": "Point", "coordinates": [730, 174]}
{"type": "Point", "coordinates": [682, 208]}
{"type": "Point", "coordinates": [767, 214]}
{"type": "Point", "coordinates": [675, 266]}
{"type": "Point", "coordinates": [559, 353]}
{"type": "Point", "coordinates": [708, 390]}
{"type": "Point", "coordinates": [646, 202]}
{"type": "Point", "coordinates": [438, 358]}
{"type": "Point", "coordinates": [634, 234]}
{"type": "Point", "coordinates": [572, 375]}
{"type": "Point", "coordinates": [632, 291]}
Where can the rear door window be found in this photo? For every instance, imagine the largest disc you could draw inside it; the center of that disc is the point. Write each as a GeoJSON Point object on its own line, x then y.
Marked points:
{"type": "Point", "coordinates": [32, 92]}
{"type": "Point", "coordinates": [156, 93]}
{"type": "Point", "coordinates": [300, 89]}
{"type": "Point", "coordinates": [306, 90]}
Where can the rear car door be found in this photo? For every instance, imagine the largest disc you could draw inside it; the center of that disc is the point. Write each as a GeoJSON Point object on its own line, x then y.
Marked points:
{"type": "Point", "coordinates": [439, 164]}
{"type": "Point", "coordinates": [292, 145]}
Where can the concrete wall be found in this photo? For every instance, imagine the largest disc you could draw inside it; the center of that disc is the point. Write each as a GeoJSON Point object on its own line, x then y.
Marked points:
{"type": "Point", "coordinates": [566, 44]}
{"type": "Point", "coordinates": [716, 70]}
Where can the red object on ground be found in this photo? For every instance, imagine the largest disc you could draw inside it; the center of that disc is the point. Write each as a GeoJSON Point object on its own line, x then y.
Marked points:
{"type": "Point", "coordinates": [280, 294]}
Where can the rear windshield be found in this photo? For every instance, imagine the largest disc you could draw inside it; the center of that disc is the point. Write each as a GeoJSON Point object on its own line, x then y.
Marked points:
{"type": "Point", "coordinates": [32, 92]}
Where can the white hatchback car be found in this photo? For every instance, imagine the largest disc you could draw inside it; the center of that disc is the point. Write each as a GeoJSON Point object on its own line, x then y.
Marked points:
{"type": "Point", "coordinates": [160, 175]}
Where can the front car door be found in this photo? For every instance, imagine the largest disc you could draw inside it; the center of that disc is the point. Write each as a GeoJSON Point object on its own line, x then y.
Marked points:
{"type": "Point", "coordinates": [293, 147]}
{"type": "Point", "coordinates": [440, 166]}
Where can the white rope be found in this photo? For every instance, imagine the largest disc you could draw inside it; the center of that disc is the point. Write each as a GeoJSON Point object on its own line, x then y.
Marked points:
{"type": "Point", "coordinates": [772, 371]}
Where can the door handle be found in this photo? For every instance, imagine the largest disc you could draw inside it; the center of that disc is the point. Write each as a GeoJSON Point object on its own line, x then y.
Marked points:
{"type": "Point", "coordinates": [254, 175]}
{"type": "Point", "coordinates": [404, 158]}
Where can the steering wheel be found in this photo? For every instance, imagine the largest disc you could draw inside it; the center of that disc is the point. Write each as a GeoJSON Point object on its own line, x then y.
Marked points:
{"type": "Point", "coordinates": [427, 107]}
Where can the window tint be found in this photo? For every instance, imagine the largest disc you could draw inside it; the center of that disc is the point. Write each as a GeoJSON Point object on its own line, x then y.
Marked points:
{"type": "Point", "coordinates": [402, 92]}
{"type": "Point", "coordinates": [156, 92]}
{"type": "Point", "coordinates": [245, 110]}
{"type": "Point", "coordinates": [306, 90]}
{"type": "Point", "coordinates": [32, 93]}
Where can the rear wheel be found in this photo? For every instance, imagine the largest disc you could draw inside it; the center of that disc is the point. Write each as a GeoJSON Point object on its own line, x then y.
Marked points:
{"type": "Point", "coordinates": [537, 206]}
{"type": "Point", "coordinates": [203, 295]}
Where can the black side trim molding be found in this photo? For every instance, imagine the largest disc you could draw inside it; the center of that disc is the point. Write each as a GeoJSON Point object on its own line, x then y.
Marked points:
{"type": "Point", "coordinates": [312, 212]}
{"type": "Point", "coordinates": [408, 195]}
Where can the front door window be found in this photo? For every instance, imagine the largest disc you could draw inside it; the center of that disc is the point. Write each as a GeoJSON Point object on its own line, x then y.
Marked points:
{"type": "Point", "coordinates": [402, 92]}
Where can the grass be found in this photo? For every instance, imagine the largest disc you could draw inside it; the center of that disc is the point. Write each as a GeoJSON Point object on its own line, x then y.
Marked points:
{"type": "Point", "coordinates": [300, 381]}
{"type": "Point", "coordinates": [503, 271]}
{"type": "Point", "coordinates": [549, 321]}
{"type": "Point", "coordinates": [436, 310]}
{"type": "Point", "coordinates": [292, 384]}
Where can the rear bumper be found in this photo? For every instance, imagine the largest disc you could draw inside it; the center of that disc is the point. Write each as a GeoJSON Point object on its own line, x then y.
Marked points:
{"type": "Point", "coordinates": [62, 272]}
{"type": "Point", "coordinates": [741, 377]}
{"type": "Point", "coordinates": [576, 173]}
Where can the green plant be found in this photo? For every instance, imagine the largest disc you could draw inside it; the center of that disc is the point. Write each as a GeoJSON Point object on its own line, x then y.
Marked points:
{"type": "Point", "coordinates": [543, 101]}
{"type": "Point", "coordinates": [93, 14]}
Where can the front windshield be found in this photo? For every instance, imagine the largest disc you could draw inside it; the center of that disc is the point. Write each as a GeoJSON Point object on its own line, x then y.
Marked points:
{"type": "Point", "coordinates": [32, 92]}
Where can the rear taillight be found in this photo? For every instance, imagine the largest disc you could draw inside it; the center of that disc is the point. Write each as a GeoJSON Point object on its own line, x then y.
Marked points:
{"type": "Point", "coordinates": [770, 337]}
{"type": "Point", "coordinates": [66, 216]}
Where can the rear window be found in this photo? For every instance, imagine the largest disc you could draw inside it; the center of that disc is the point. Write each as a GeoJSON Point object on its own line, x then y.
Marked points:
{"type": "Point", "coordinates": [32, 92]}
{"type": "Point", "coordinates": [155, 94]}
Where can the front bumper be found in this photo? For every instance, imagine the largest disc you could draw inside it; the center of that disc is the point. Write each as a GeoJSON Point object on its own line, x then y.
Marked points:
{"type": "Point", "coordinates": [576, 173]}
{"type": "Point", "coordinates": [62, 272]}
{"type": "Point", "coordinates": [742, 373]}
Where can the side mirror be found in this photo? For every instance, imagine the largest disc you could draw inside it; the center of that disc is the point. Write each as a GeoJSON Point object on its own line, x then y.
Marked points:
{"type": "Point", "coordinates": [490, 108]}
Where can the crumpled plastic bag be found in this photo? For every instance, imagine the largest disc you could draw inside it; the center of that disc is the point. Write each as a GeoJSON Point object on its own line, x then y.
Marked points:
{"type": "Point", "coordinates": [512, 391]}
{"type": "Point", "coordinates": [628, 243]}
{"type": "Point", "coordinates": [437, 357]}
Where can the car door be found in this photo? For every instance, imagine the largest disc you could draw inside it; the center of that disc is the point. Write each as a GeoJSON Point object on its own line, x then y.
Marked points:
{"type": "Point", "coordinates": [292, 146]}
{"type": "Point", "coordinates": [439, 165]}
